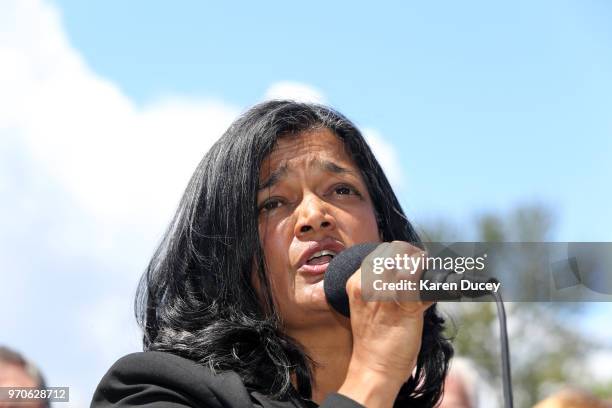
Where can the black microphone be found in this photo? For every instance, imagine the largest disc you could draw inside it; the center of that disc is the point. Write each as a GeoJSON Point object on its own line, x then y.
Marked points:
{"type": "Point", "coordinates": [348, 261]}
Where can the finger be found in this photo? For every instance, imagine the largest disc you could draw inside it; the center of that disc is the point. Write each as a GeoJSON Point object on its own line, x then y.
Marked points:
{"type": "Point", "coordinates": [415, 308]}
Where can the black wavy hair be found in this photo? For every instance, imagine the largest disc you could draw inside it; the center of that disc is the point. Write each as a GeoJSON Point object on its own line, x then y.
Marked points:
{"type": "Point", "coordinates": [196, 299]}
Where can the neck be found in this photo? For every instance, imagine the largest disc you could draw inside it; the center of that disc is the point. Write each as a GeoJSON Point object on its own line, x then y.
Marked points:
{"type": "Point", "coordinates": [330, 348]}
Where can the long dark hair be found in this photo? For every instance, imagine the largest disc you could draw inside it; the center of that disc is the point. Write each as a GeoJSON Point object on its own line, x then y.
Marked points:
{"type": "Point", "coordinates": [196, 299]}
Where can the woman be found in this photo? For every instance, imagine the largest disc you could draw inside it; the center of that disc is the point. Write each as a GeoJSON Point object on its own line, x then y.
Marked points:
{"type": "Point", "coordinates": [232, 304]}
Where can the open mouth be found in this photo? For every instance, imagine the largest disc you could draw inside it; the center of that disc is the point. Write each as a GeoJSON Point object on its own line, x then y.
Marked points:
{"type": "Point", "coordinates": [321, 257]}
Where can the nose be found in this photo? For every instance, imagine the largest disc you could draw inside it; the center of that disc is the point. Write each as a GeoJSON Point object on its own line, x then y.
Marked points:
{"type": "Point", "coordinates": [313, 217]}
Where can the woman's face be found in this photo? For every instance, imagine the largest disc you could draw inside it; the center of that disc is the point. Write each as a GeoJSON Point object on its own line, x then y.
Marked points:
{"type": "Point", "coordinates": [313, 203]}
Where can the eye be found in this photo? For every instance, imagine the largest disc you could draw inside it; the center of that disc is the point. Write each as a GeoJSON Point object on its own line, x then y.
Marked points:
{"type": "Point", "coordinates": [270, 204]}
{"type": "Point", "coordinates": [345, 189]}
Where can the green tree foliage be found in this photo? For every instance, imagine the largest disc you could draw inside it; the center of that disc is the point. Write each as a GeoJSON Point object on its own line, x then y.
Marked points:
{"type": "Point", "coordinates": [546, 351]}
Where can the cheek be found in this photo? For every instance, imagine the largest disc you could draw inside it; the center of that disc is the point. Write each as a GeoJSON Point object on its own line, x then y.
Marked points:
{"type": "Point", "coordinates": [362, 226]}
{"type": "Point", "coordinates": [275, 244]}
{"type": "Point", "coordinates": [274, 240]}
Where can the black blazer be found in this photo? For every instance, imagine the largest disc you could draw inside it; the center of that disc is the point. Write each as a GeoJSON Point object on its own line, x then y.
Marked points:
{"type": "Point", "coordinates": [155, 380]}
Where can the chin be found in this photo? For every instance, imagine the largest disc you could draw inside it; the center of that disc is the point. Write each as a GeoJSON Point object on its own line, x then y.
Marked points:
{"type": "Point", "coordinates": [316, 291]}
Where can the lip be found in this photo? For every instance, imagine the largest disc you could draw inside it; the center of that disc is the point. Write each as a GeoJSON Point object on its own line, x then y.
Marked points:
{"type": "Point", "coordinates": [313, 247]}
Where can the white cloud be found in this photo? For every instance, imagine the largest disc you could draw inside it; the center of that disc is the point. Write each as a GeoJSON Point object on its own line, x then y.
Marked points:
{"type": "Point", "coordinates": [88, 180]}
{"type": "Point", "coordinates": [294, 91]}
{"type": "Point", "coordinates": [114, 158]}
{"type": "Point", "coordinates": [119, 163]}
{"type": "Point", "coordinates": [387, 157]}
{"type": "Point", "coordinates": [102, 322]}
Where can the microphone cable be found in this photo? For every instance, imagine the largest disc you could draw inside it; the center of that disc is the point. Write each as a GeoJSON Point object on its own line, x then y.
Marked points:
{"type": "Point", "coordinates": [505, 350]}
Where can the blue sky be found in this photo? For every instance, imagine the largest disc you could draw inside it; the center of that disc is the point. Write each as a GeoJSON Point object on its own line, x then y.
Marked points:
{"type": "Point", "coordinates": [488, 104]}
{"type": "Point", "coordinates": [106, 107]}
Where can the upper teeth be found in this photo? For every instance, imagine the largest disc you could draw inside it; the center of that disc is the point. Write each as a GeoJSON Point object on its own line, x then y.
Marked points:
{"type": "Point", "coordinates": [322, 253]}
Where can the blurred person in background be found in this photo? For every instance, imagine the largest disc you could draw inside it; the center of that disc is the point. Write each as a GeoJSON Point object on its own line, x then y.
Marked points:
{"type": "Point", "coordinates": [16, 371]}
{"type": "Point", "coordinates": [573, 398]}
{"type": "Point", "coordinates": [460, 386]}
{"type": "Point", "coordinates": [466, 387]}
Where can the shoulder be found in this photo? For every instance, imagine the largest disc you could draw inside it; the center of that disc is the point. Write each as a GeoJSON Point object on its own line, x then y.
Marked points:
{"type": "Point", "coordinates": [157, 379]}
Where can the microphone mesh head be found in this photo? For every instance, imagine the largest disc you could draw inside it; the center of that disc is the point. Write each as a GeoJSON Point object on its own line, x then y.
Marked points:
{"type": "Point", "coordinates": [340, 269]}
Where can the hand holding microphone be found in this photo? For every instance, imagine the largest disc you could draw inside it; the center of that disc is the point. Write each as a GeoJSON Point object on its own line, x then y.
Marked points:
{"type": "Point", "coordinates": [386, 333]}
{"type": "Point", "coordinates": [387, 328]}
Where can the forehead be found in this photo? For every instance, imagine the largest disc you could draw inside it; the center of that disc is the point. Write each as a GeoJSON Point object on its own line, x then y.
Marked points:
{"type": "Point", "coordinates": [15, 374]}
{"type": "Point", "coordinates": [307, 148]}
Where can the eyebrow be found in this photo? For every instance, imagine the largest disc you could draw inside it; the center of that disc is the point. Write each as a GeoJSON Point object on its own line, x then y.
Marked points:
{"type": "Point", "coordinates": [274, 177]}
{"type": "Point", "coordinates": [282, 171]}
